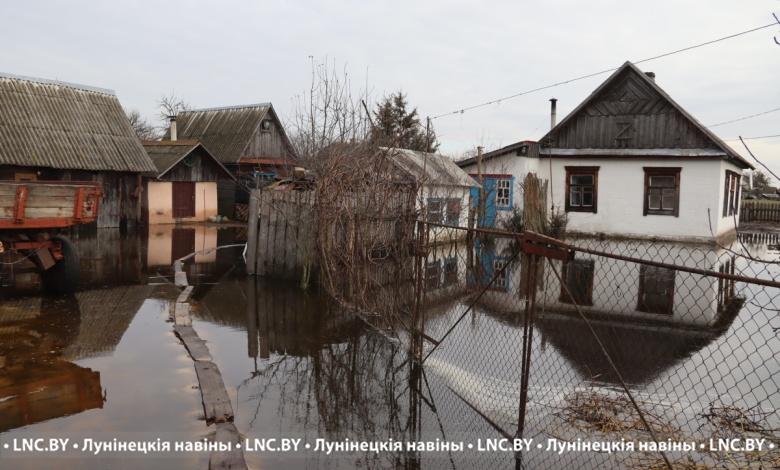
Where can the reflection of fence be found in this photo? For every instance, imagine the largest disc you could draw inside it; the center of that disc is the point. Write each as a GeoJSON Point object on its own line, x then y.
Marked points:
{"type": "Point", "coordinates": [759, 211]}
{"type": "Point", "coordinates": [602, 342]}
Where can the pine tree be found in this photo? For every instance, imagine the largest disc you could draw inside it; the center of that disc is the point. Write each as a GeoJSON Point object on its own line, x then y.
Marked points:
{"type": "Point", "coordinates": [394, 126]}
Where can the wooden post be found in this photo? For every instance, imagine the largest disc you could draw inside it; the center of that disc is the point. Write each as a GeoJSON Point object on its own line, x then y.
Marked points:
{"type": "Point", "coordinates": [251, 238]}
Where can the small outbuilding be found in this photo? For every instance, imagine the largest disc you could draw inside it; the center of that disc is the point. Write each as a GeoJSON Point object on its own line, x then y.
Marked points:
{"type": "Point", "coordinates": [184, 189]}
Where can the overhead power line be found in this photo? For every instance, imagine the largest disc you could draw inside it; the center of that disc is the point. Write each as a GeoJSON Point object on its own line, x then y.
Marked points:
{"type": "Point", "coordinates": [496, 101]}
{"type": "Point", "coordinates": [746, 117]}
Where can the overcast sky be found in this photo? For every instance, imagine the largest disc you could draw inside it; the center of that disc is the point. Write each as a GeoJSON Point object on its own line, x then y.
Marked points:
{"type": "Point", "coordinates": [446, 55]}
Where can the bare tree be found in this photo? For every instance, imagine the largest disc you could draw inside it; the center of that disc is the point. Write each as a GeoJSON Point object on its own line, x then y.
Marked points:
{"type": "Point", "coordinates": [142, 127]}
{"type": "Point", "coordinates": [171, 105]}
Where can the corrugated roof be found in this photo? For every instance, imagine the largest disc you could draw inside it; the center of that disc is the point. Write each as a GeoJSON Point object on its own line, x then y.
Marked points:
{"type": "Point", "coordinates": [166, 153]}
{"type": "Point", "coordinates": [61, 125]}
{"type": "Point", "coordinates": [438, 169]}
{"type": "Point", "coordinates": [226, 132]}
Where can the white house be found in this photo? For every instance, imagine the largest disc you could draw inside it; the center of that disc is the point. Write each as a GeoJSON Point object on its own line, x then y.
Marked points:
{"type": "Point", "coordinates": [444, 190]}
{"type": "Point", "coordinates": [629, 161]}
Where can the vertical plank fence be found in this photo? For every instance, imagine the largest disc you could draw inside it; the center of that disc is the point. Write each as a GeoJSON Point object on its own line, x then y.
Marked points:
{"type": "Point", "coordinates": [282, 232]}
{"type": "Point", "coordinates": [760, 211]}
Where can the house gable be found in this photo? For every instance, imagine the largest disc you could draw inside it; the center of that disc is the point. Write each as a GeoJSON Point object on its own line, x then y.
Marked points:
{"type": "Point", "coordinates": [236, 132]}
{"type": "Point", "coordinates": [630, 115]}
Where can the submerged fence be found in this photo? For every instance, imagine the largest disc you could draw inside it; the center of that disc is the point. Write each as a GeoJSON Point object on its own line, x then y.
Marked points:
{"type": "Point", "coordinates": [608, 354]}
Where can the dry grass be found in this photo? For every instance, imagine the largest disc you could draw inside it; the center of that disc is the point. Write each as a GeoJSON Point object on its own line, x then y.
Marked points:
{"type": "Point", "coordinates": [588, 410]}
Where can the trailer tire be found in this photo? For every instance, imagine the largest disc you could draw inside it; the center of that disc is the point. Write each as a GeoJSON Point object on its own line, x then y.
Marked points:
{"type": "Point", "coordinates": [63, 278]}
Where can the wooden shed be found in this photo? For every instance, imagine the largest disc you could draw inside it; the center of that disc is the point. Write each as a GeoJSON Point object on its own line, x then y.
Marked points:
{"type": "Point", "coordinates": [51, 130]}
{"type": "Point", "coordinates": [243, 138]}
{"type": "Point", "coordinates": [184, 188]}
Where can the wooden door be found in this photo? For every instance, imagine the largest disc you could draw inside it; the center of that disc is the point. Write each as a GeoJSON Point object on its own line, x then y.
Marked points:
{"type": "Point", "coordinates": [182, 243]}
{"type": "Point", "coordinates": [183, 200]}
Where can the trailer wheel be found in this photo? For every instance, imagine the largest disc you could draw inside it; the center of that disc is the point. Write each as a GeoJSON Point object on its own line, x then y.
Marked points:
{"type": "Point", "coordinates": [63, 277]}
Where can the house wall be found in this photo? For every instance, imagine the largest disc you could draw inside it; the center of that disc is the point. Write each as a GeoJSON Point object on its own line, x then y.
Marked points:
{"type": "Point", "coordinates": [621, 199]}
{"type": "Point", "coordinates": [160, 202]}
{"type": "Point", "coordinates": [516, 166]}
{"type": "Point", "coordinates": [443, 194]}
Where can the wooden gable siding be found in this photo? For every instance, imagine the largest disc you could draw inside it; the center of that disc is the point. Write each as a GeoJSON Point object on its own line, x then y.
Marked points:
{"type": "Point", "coordinates": [267, 144]}
{"type": "Point", "coordinates": [204, 169]}
{"type": "Point", "coordinates": [630, 114]}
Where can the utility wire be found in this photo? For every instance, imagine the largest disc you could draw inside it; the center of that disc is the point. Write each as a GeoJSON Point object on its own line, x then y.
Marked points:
{"type": "Point", "coordinates": [746, 117]}
{"type": "Point", "coordinates": [461, 111]}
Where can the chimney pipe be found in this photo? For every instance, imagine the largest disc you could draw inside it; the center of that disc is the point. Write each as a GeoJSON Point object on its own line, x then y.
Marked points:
{"type": "Point", "coordinates": [650, 75]}
{"type": "Point", "coordinates": [553, 122]}
{"type": "Point", "coordinates": [173, 128]}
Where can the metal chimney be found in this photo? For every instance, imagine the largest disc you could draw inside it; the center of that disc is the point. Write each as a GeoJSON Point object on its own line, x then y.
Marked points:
{"type": "Point", "coordinates": [173, 127]}
{"type": "Point", "coordinates": [553, 122]}
{"type": "Point", "coordinates": [650, 75]}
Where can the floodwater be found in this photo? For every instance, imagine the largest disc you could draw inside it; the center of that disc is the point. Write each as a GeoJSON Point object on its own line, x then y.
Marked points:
{"type": "Point", "coordinates": [106, 365]}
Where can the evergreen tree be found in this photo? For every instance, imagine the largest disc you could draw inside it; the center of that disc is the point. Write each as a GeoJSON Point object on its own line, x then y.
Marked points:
{"type": "Point", "coordinates": [394, 126]}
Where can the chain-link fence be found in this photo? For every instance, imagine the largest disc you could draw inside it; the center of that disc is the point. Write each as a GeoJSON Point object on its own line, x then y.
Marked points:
{"type": "Point", "coordinates": [606, 353]}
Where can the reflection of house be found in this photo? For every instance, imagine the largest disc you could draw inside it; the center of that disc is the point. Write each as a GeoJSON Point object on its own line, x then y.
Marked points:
{"type": "Point", "coordinates": [248, 140]}
{"type": "Point", "coordinates": [167, 243]}
{"type": "Point", "coordinates": [614, 288]}
{"type": "Point", "coordinates": [60, 131]}
{"type": "Point", "coordinates": [185, 189]}
{"type": "Point", "coordinates": [445, 189]}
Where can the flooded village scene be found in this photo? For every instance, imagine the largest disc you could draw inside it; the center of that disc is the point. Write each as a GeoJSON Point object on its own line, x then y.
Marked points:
{"type": "Point", "coordinates": [344, 278]}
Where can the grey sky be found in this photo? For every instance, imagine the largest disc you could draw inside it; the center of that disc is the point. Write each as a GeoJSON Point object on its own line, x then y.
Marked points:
{"type": "Point", "coordinates": [446, 55]}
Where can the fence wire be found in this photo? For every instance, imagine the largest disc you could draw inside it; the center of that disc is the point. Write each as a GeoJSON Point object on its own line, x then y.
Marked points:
{"type": "Point", "coordinates": [665, 352]}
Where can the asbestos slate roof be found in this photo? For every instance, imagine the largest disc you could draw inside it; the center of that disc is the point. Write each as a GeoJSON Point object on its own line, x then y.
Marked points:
{"type": "Point", "coordinates": [438, 169]}
{"type": "Point", "coordinates": [51, 124]}
{"type": "Point", "coordinates": [226, 132]}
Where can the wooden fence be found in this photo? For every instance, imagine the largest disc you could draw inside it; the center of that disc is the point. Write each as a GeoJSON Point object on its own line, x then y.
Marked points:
{"type": "Point", "coordinates": [281, 237]}
{"type": "Point", "coordinates": [760, 211]}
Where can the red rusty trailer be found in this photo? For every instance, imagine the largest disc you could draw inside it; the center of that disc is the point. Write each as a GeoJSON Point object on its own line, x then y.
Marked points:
{"type": "Point", "coordinates": [31, 212]}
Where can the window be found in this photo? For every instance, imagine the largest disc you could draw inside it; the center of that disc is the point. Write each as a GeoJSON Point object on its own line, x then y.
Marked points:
{"type": "Point", "coordinates": [582, 188]}
{"type": "Point", "coordinates": [504, 193]}
{"type": "Point", "coordinates": [656, 290]}
{"type": "Point", "coordinates": [453, 211]}
{"type": "Point", "coordinates": [662, 191]}
{"type": "Point", "coordinates": [726, 287]}
{"type": "Point", "coordinates": [25, 177]}
{"type": "Point", "coordinates": [450, 271]}
{"type": "Point", "coordinates": [500, 273]}
{"type": "Point", "coordinates": [433, 275]}
{"type": "Point", "coordinates": [731, 193]}
{"type": "Point", "coordinates": [578, 276]}
{"type": "Point", "coordinates": [434, 210]}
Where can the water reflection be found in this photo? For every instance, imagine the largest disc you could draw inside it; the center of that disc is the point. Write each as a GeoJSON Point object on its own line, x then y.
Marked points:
{"type": "Point", "coordinates": [37, 381]}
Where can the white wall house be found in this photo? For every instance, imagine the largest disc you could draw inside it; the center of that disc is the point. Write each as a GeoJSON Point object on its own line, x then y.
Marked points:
{"type": "Point", "coordinates": [629, 161]}
{"type": "Point", "coordinates": [444, 190]}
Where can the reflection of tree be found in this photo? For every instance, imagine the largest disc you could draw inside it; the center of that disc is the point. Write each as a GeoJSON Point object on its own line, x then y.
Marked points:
{"type": "Point", "coordinates": [347, 384]}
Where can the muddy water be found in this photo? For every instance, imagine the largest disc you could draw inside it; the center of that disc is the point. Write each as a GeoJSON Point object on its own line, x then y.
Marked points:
{"type": "Point", "coordinates": [105, 365]}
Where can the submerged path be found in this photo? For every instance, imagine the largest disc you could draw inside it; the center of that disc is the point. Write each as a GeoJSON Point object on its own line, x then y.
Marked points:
{"type": "Point", "coordinates": [216, 403]}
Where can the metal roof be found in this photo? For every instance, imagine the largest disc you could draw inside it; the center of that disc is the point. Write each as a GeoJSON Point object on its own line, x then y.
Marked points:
{"type": "Point", "coordinates": [45, 123]}
{"type": "Point", "coordinates": [226, 131]}
{"type": "Point", "coordinates": [166, 154]}
{"type": "Point", "coordinates": [435, 169]}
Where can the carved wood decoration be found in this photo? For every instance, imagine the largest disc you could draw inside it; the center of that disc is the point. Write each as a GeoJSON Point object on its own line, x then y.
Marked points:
{"type": "Point", "coordinates": [629, 112]}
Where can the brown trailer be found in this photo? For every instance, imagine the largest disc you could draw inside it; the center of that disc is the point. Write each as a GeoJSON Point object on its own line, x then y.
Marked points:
{"type": "Point", "coordinates": [31, 213]}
